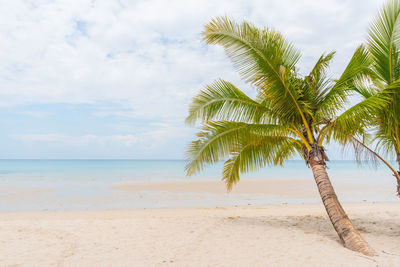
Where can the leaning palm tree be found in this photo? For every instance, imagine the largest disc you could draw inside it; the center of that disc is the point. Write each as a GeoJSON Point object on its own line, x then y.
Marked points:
{"type": "Point", "coordinates": [384, 76]}
{"type": "Point", "coordinates": [290, 115]}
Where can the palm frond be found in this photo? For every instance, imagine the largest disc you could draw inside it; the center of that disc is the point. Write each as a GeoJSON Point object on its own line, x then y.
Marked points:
{"type": "Point", "coordinates": [223, 101]}
{"type": "Point", "coordinates": [366, 87]}
{"type": "Point", "coordinates": [362, 152]}
{"type": "Point", "coordinates": [251, 156]}
{"type": "Point", "coordinates": [365, 154]}
{"type": "Point", "coordinates": [265, 59]}
{"type": "Point", "coordinates": [317, 83]}
{"type": "Point", "coordinates": [384, 41]}
{"type": "Point", "coordinates": [218, 139]}
{"type": "Point", "coordinates": [355, 120]}
{"type": "Point", "coordinates": [321, 65]}
{"type": "Point", "coordinates": [385, 138]}
{"type": "Point", "coordinates": [356, 70]}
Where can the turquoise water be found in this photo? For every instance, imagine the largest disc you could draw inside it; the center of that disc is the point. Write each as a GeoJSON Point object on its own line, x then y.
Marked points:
{"type": "Point", "coordinates": [161, 170]}
{"type": "Point", "coordinates": [85, 184]}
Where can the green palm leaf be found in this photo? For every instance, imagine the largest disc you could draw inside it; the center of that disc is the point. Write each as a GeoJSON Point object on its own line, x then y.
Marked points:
{"type": "Point", "coordinates": [223, 101]}
{"type": "Point", "coordinates": [219, 139]}
{"type": "Point", "coordinates": [250, 156]}
{"type": "Point", "coordinates": [355, 120]}
{"type": "Point", "coordinates": [384, 41]}
{"type": "Point", "coordinates": [357, 70]}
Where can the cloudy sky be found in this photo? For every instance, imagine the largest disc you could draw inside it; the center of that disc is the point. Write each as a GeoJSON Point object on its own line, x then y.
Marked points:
{"type": "Point", "coordinates": [113, 78]}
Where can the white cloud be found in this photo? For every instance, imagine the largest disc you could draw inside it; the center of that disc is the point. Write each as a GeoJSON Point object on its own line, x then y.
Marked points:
{"type": "Point", "coordinates": [134, 54]}
{"type": "Point", "coordinates": [151, 138]}
{"type": "Point", "coordinates": [126, 140]}
{"type": "Point", "coordinates": [147, 55]}
{"type": "Point", "coordinates": [36, 114]}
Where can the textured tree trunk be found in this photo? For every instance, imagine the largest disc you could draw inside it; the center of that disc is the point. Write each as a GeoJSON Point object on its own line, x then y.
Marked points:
{"type": "Point", "coordinates": [350, 237]}
{"type": "Point", "coordinates": [398, 160]}
{"type": "Point", "coordinates": [398, 174]}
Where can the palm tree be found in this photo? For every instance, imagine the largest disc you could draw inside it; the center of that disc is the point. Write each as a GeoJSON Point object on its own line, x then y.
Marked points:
{"type": "Point", "coordinates": [382, 46]}
{"type": "Point", "coordinates": [290, 115]}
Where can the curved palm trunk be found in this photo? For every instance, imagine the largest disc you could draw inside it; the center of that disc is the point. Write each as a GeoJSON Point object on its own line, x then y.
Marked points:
{"type": "Point", "coordinates": [398, 175]}
{"type": "Point", "coordinates": [350, 237]}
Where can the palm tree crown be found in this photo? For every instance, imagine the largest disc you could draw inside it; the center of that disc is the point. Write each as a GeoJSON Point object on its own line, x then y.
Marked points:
{"type": "Point", "coordinates": [290, 115]}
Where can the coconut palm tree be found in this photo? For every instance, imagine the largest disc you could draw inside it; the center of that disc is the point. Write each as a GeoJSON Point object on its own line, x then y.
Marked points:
{"type": "Point", "coordinates": [382, 46]}
{"type": "Point", "coordinates": [290, 115]}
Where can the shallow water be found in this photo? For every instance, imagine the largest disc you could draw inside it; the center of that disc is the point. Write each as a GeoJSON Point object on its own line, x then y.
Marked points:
{"type": "Point", "coordinates": [87, 184]}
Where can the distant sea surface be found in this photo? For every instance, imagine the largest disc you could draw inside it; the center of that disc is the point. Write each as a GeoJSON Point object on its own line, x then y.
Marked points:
{"type": "Point", "coordinates": [85, 184]}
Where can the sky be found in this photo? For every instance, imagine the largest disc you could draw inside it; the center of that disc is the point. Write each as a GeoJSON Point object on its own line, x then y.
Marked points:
{"type": "Point", "coordinates": [114, 78]}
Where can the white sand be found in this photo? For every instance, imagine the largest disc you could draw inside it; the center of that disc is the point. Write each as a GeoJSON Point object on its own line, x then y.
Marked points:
{"type": "Point", "coordinates": [294, 188]}
{"type": "Point", "coordinates": [279, 235]}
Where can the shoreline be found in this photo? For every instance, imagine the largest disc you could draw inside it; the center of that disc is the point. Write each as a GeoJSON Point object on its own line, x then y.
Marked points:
{"type": "Point", "coordinates": [117, 195]}
{"type": "Point", "coordinates": [287, 209]}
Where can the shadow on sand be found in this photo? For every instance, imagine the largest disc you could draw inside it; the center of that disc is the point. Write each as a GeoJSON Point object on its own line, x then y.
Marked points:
{"type": "Point", "coordinates": [320, 225]}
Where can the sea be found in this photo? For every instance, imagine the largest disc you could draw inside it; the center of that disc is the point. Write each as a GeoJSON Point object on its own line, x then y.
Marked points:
{"type": "Point", "coordinates": [90, 184]}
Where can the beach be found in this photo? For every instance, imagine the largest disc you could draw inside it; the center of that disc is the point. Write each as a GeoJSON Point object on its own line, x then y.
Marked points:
{"type": "Point", "coordinates": [78, 213]}
{"type": "Point", "coordinates": [271, 235]}
{"type": "Point", "coordinates": [200, 133]}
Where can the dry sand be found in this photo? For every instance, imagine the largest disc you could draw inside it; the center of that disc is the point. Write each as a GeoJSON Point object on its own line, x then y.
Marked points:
{"type": "Point", "coordinates": [276, 235]}
{"type": "Point", "coordinates": [295, 188]}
